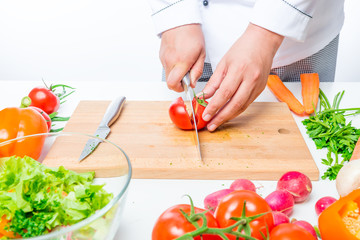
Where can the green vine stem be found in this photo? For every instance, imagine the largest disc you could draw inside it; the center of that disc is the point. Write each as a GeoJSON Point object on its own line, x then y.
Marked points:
{"type": "Point", "coordinates": [242, 223]}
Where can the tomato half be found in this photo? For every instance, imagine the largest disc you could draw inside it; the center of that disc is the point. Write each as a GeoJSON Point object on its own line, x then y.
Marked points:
{"type": "Point", "coordinates": [180, 116]}
{"type": "Point", "coordinates": [232, 206]}
{"type": "Point", "coordinates": [45, 99]}
{"type": "Point", "coordinates": [19, 122]}
{"type": "Point", "coordinates": [172, 224]}
{"type": "Point", "coordinates": [290, 231]}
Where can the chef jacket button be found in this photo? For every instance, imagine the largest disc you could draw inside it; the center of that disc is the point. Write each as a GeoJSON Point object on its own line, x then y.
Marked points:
{"type": "Point", "coordinates": [205, 3]}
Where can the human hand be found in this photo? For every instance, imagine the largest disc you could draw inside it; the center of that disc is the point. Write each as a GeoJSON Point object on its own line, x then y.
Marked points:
{"type": "Point", "coordinates": [241, 75]}
{"type": "Point", "coordinates": [182, 50]}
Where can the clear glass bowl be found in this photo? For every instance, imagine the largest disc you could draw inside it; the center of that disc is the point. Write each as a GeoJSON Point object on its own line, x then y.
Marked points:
{"type": "Point", "coordinates": [66, 147]}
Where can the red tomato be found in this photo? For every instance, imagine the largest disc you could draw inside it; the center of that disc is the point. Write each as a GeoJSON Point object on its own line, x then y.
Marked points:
{"type": "Point", "coordinates": [172, 224]}
{"type": "Point", "coordinates": [290, 231]}
{"type": "Point", "coordinates": [181, 118]}
{"type": "Point", "coordinates": [45, 116]}
{"type": "Point", "coordinates": [44, 99]}
{"type": "Point", "coordinates": [232, 205]}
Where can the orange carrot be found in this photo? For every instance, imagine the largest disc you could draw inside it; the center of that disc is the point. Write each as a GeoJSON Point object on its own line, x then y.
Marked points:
{"type": "Point", "coordinates": [282, 93]}
{"type": "Point", "coordinates": [3, 224]}
{"type": "Point", "coordinates": [310, 91]}
{"type": "Point", "coordinates": [356, 152]}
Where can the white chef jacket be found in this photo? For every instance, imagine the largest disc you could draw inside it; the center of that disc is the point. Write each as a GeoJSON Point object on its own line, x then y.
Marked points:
{"type": "Point", "coordinates": [308, 25]}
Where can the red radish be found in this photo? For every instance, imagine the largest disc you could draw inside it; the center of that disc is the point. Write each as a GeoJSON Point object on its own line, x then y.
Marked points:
{"type": "Point", "coordinates": [281, 201]}
{"type": "Point", "coordinates": [306, 226]}
{"type": "Point", "coordinates": [323, 203]}
{"type": "Point", "coordinates": [243, 184]}
{"type": "Point", "coordinates": [212, 200]}
{"type": "Point", "coordinates": [296, 183]}
{"type": "Point", "coordinates": [280, 218]}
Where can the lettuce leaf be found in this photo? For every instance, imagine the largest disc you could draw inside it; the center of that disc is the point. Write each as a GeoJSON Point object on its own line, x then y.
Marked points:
{"type": "Point", "coordinates": [37, 198]}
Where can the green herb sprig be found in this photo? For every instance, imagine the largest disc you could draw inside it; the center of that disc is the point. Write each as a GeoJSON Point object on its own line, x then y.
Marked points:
{"type": "Point", "coordinates": [328, 129]}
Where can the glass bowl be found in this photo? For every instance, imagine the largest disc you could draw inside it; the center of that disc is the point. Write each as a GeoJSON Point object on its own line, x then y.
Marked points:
{"type": "Point", "coordinates": [109, 162]}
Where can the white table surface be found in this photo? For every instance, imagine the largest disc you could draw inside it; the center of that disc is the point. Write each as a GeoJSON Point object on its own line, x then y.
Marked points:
{"type": "Point", "coordinates": [148, 198]}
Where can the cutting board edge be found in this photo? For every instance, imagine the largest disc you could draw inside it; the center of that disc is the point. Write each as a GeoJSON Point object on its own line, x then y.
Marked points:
{"type": "Point", "coordinates": [148, 173]}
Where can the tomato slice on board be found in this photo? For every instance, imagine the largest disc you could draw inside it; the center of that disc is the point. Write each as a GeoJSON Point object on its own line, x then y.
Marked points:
{"type": "Point", "coordinates": [180, 117]}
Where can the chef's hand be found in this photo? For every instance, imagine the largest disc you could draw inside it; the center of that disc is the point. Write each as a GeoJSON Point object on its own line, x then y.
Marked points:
{"type": "Point", "coordinates": [182, 49]}
{"type": "Point", "coordinates": [241, 75]}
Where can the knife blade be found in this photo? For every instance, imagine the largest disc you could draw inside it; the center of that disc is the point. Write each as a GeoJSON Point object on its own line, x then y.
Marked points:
{"type": "Point", "coordinates": [190, 95]}
{"type": "Point", "coordinates": [111, 115]}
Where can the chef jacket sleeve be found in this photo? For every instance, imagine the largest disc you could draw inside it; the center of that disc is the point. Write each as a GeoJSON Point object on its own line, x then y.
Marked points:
{"type": "Point", "coordinates": [289, 18]}
{"type": "Point", "coordinates": [167, 14]}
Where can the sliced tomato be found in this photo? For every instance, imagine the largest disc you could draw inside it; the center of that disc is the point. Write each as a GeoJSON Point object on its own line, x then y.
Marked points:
{"type": "Point", "coordinates": [180, 117]}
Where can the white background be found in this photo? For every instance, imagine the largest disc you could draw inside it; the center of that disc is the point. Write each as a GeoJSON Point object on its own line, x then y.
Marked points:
{"type": "Point", "coordinates": [66, 40]}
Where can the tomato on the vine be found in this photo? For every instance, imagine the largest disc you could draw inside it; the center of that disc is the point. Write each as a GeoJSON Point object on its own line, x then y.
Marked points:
{"type": "Point", "coordinates": [44, 99]}
{"type": "Point", "coordinates": [45, 116]}
{"type": "Point", "coordinates": [290, 231]}
{"type": "Point", "coordinates": [172, 224]}
{"type": "Point", "coordinates": [180, 116]}
{"type": "Point", "coordinates": [232, 206]}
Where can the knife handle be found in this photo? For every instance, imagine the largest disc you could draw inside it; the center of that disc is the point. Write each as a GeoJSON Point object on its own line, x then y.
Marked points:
{"type": "Point", "coordinates": [113, 111]}
{"type": "Point", "coordinates": [186, 79]}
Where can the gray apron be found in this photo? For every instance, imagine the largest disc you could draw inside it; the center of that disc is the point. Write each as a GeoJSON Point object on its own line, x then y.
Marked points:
{"type": "Point", "coordinates": [323, 62]}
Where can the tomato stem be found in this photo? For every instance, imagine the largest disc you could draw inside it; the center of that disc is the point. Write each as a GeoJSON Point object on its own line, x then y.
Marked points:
{"type": "Point", "coordinates": [60, 85]}
{"type": "Point", "coordinates": [25, 102]}
{"type": "Point", "coordinates": [56, 130]}
{"type": "Point", "coordinates": [242, 223]}
{"type": "Point", "coordinates": [42, 79]}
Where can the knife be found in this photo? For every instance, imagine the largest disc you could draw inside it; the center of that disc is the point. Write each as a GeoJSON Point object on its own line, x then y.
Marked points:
{"type": "Point", "coordinates": [111, 115]}
{"type": "Point", "coordinates": [189, 94]}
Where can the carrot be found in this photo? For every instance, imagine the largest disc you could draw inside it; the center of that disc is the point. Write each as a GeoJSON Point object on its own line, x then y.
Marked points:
{"type": "Point", "coordinates": [282, 93]}
{"type": "Point", "coordinates": [356, 152]}
{"type": "Point", "coordinates": [3, 232]}
{"type": "Point", "coordinates": [310, 91]}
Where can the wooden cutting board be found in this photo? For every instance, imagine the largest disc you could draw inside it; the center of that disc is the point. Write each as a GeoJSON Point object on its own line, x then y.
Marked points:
{"type": "Point", "coordinates": [261, 144]}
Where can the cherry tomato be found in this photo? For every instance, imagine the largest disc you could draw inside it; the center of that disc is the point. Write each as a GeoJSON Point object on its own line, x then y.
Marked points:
{"type": "Point", "coordinates": [45, 116]}
{"type": "Point", "coordinates": [290, 231]}
{"type": "Point", "coordinates": [44, 99]}
{"type": "Point", "coordinates": [172, 224]}
{"type": "Point", "coordinates": [181, 118]}
{"type": "Point", "coordinates": [18, 122]}
{"type": "Point", "coordinates": [232, 206]}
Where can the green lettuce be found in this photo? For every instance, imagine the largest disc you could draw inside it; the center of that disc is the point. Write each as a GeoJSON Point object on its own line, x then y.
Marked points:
{"type": "Point", "coordinates": [37, 198]}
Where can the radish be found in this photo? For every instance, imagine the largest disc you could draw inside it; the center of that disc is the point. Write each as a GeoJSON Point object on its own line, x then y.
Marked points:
{"type": "Point", "coordinates": [296, 183]}
{"type": "Point", "coordinates": [307, 226]}
{"type": "Point", "coordinates": [243, 184]}
{"type": "Point", "coordinates": [323, 203]}
{"type": "Point", "coordinates": [280, 218]}
{"type": "Point", "coordinates": [281, 200]}
{"type": "Point", "coordinates": [212, 200]}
